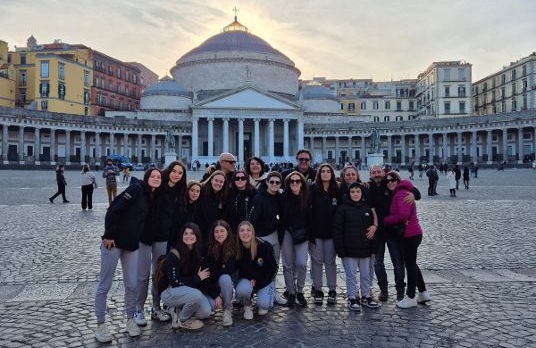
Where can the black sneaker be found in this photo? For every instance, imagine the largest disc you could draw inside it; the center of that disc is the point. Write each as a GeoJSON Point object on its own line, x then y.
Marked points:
{"type": "Point", "coordinates": [51, 200]}
{"type": "Point", "coordinates": [285, 294]}
{"type": "Point", "coordinates": [383, 296]}
{"type": "Point", "coordinates": [291, 300]}
{"type": "Point", "coordinates": [319, 297]}
{"type": "Point", "coordinates": [332, 297]}
{"type": "Point", "coordinates": [353, 305]}
{"type": "Point", "coordinates": [301, 299]}
{"type": "Point", "coordinates": [369, 302]}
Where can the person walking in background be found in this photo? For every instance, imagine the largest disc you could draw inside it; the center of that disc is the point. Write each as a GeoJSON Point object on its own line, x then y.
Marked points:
{"type": "Point", "coordinates": [109, 173]}
{"type": "Point", "coordinates": [123, 225]}
{"type": "Point", "coordinates": [402, 213]}
{"type": "Point", "coordinates": [451, 177]}
{"type": "Point", "coordinates": [457, 176]}
{"type": "Point", "coordinates": [87, 183]}
{"type": "Point", "coordinates": [466, 177]}
{"type": "Point", "coordinates": [126, 175]}
{"type": "Point", "coordinates": [60, 181]}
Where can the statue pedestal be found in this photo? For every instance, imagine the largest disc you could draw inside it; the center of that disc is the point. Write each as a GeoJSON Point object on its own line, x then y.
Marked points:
{"type": "Point", "coordinates": [374, 158]}
{"type": "Point", "coordinates": [169, 157]}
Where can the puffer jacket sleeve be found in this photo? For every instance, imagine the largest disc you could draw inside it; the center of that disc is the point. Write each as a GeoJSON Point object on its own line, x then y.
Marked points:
{"type": "Point", "coordinates": [338, 230]}
{"type": "Point", "coordinates": [399, 211]}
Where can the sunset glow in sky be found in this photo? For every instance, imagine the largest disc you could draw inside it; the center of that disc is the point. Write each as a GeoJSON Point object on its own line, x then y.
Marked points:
{"type": "Point", "coordinates": [382, 40]}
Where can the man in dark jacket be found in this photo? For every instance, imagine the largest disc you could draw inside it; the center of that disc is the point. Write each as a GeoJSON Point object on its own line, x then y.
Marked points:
{"type": "Point", "coordinates": [303, 165]}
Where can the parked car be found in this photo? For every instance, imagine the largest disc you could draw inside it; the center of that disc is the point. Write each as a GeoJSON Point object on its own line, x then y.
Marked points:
{"type": "Point", "coordinates": [138, 167]}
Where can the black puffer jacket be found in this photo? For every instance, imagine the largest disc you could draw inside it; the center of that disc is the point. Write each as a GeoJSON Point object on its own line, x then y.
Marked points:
{"type": "Point", "coordinates": [125, 219]}
{"type": "Point", "coordinates": [263, 268]}
{"type": "Point", "coordinates": [323, 207]}
{"type": "Point", "coordinates": [349, 230]}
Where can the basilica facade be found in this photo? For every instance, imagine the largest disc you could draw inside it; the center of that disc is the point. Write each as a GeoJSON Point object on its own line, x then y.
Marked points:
{"type": "Point", "coordinates": [235, 93]}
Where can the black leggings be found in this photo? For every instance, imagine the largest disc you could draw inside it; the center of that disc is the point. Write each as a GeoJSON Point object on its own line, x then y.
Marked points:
{"type": "Point", "coordinates": [409, 252]}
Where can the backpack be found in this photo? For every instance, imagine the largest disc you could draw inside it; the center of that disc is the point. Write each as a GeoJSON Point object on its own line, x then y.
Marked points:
{"type": "Point", "coordinates": [159, 278]}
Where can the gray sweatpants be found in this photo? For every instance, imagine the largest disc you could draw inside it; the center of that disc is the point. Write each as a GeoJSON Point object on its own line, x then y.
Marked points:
{"type": "Point", "coordinates": [188, 301]}
{"type": "Point", "coordinates": [273, 239]}
{"type": "Point", "coordinates": [129, 264]}
{"type": "Point", "coordinates": [351, 265]}
{"type": "Point", "coordinates": [294, 257]}
{"type": "Point", "coordinates": [323, 255]}
{"type": "Point", "coordinates": [147, 259]}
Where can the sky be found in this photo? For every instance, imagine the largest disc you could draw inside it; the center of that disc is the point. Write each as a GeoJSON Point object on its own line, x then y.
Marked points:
{"type": "Point", "coordinates": [338, 39]}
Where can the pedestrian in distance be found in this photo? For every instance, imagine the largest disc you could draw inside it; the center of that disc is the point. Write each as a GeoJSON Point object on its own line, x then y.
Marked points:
{"type": "Point", "coordinates": [353, 244]}
{"type": "Point", "coordinates": [123, 225]}
{"type": "Point", "coordinates": [466, 177]}
{"type": "Point", "coordinates": [257, 268]}
{"type": "Point", "coordinates": [401, 213]}
{"type": "Point", "coordinates": [451, 178]}
{"type": "Point", "coordinates": [60, 181]}
{"type": "Point", "coordinates": [221, 261]}
{"type": "Point", "coordinates": [191, 294]}
{"type": "Point", "coordinates": [87, 183]}
{"type": "Point", "coordinates": [109, 173]}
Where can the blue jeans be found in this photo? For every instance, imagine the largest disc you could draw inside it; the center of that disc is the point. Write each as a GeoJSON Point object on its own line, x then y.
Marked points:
{"type": "Point", "coordinates": [395, 250]}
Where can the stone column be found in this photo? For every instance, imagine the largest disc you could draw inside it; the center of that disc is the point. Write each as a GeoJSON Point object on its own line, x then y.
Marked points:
{"type": "Point", "coordinates": [285, 138]}
{"type": "Point", "coordinates": [445, 146]}
{"type": "Point", "coordinates": [489, 139]}
{"type": "Point", "coordinates": [21, 144]}
{"type": "Point", "coordinates": [505, 144]}
{"type": "Point", "coordinates": [98, 149]}
{"type": "Point", "coordinates": [324, 149]}
{"type": "Point", "coordinates": [68, 147]}
{"type": "Point", "coordinates": [363, 150]}
{"type": "Point", "coordinates": [417, 148]}
{"type": "Point", "coordinates": [210, 136]}
{"type": "Point", "coordinates": [337, 150]}
{"type": "Point", "coordinates": [240, 154]}
{"type": "Point", "coordinates": [112, 143]}
{"type": "Point", "coordinates": [53, 149]}
{"type": "Point", "coordinates": [138, 148]}
{"type": "Point", "coordinates": [257, 137]}
{"type": "Point", "coordinates": [225, 145]}
{"type": "Point", "coordinates": [459, 147]}
{"type": "Point", "coordinates": [125, 144]}
{"type": "Point", "coordinates": [271, 139]}
{"type": "Point", "coordinates": [82, 147]}
{"type": "Point", "coordinates": [5, 146]}
{"type": "Point", "coordinates": [179, 146]}
{"type": "Point", "coordinates": [350, 150]}
{"type": "Point", "coordinates": [474, 145]}
{"type": "Point", "coordinates": [402, 149]}
{"type": "Point", "coordinates": [37, 145]}
{"type": "Point", "coordinates": [389, 148]}
{"type": "Point", "coordinates": [520, 144]}
{"type": "Point", "coordinates": [195, 137]}
{"type": "Point", "coordinates": [430, 148]}
{"type": "Point", "coordinates": [300, 134]}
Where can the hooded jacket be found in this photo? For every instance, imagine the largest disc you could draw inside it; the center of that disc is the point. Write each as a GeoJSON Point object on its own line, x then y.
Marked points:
{"type": "Point", "coordinates": [402, 213]}
{"type": "Point", "coordinates": [350, 228]}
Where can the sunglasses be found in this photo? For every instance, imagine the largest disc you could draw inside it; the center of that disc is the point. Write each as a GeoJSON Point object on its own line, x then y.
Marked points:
{"type": "Point", "coordinates": [274, 182]}
{"type": "Point", "coordinates": [240, 178]}
{"type": "Point", "coordinates": [295, 181]}
{"type": "Point", "coordinates": [391, 180]}
{"type": "Point", "coordinates": [229, 161]}
{"type": "Point", "coordinates": [304, 159]}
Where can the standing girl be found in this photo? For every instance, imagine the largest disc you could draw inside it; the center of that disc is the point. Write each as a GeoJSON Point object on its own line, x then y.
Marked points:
{"type": "Point", "coordinates": [211, 202]}
{"type": "Point", "coordinates": [123, 226]}
{"type": "Point", "coordinates": [87, 180]}
{"type": "Point", "coordinates": [239, 199]}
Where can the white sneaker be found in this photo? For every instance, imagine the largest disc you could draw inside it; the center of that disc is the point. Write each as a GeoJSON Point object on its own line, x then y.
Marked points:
{"type": "Point", "coordinates": [248, 313]}
{"type": "Point", "coordinates": [139, 318]}
{"type": "Point", "coordinates": [132, 328]}
{"type": "Point", "coordinates": [191, 324]}
{"type": "Point", "coordinates": [227, 317]}
{"type": "Point", "coordinates": [423, 297]}
{"type": "Point", "coordinates": [280, 300]}
{"type": "Point", "coordinates": [407, 302]}
{"type": "Point", "coordinates": [262, 311]}
{"type": "Point", "coordinates": [174, 318]}
{"type": "Point", "coordinates": [102, 333]}
{"type": "Point", "coordinates": [159, 314]}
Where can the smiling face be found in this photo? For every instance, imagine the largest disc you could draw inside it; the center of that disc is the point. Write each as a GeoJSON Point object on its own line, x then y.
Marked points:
{"type": "Point", "coordinates": [245, 233]}
{"type": "Point", "coordinates": [376, 174]}
{"type": "Point", "coordinates": [193, 193]}
{"type": "Point", "coordinates": [350, 175]}
{"type": "Point", "coordinates": [295, 184]}
{"type": "Point", "coordinates": [189, 238]}
{"type": "Point", "coordinates": [240, 180]}
{"type": "Point", "coordinates": [154, 180]}
{"type": "Point", "coordinates": [175, 175]}
{"type": "Point", "coordinates": [255, 168]}
{"type": "Point", "coordinates": [391, 182]}
{"type": "Point", "coordinates": [217, 182]}
{"type": "Point", "coordinates": [220, 234]}
{"type": "Point", "coordinates": [304, 161]}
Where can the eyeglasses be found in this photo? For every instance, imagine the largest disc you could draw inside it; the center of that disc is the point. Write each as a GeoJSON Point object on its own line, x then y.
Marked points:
{"type": "Point", "coordinates": [298, 181]}
{"type": "Point", "coordinates": [391, 180]}
{"type": "Point", "coordinates": [229, 161]}
{"type": "Point", "coordinates": [240, 178]}
{"type": "Point", "coordinates": [303, 159]}
{"type": "Point", "coordinates": [273, 182]}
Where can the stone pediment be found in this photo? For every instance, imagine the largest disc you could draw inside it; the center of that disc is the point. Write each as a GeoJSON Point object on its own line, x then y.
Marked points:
{"type": "Point", "coordinates": [248, 98]}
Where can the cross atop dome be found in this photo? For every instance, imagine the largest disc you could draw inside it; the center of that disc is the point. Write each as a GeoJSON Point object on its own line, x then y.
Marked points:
{"type": "Point", "coordinates": [236, 25]}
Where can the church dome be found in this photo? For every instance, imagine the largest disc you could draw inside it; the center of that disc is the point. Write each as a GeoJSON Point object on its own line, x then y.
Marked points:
{"type": "Point", "coordinates": [234, 58]}
{"type": "Point", "coordinates": [165, 94]}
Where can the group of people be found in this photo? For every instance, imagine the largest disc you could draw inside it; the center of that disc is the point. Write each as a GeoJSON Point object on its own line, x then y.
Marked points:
{"type": "Point", "coordinates": [224, 237]}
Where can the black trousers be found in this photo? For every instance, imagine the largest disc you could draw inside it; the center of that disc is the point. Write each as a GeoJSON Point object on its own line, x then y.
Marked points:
{"type": "Point", "coordinates": [61, 191]}
{"type": "Point", "coordinates": [87, 196]}
{"type": "Point", "coordinates": [413, 272]}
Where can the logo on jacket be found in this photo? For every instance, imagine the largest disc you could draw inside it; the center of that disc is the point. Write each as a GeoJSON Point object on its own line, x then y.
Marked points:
{"type": "Point", "coordinates": [260, 262]}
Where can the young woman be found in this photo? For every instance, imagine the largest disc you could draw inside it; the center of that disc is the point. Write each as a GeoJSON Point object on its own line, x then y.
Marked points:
{"type": "Point", "coordinates": [60, 181]}
{"type": "Point", "coordinates": [221, 261]}
{"type": "Point", "coordinates": [161, 222]}
{"type": "Point", "coordinates": [123, 226]}
{"type": "Point", "coordinates": [257, 268]}
{"type": "Point", "coordinates": [254, 168]}
{"type": "Point", "coordinates": [211, 202]}
{"type": "Point", "coordinates": [239, 199]}
{"type": "Point", "coordinates": [189, 282]}
{"type": "Point", "coordinates": [353, 243]}
{"type": "Point", "coordinates": [295, 222]}
{"type": "Point", "coordinates": [87, 180]}
{"type": "Point", "coordinates": [325, 198]}
{"type": "Point", "coordinates": [401, 212]}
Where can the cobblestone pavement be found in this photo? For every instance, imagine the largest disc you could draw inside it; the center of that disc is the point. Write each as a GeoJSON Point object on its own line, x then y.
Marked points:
{"type": "Point", "coordinates": [478, 258]}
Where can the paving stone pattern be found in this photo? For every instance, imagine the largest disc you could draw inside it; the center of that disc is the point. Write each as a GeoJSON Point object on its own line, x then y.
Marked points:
{"type": "Point", "coordinates": [478, 257]}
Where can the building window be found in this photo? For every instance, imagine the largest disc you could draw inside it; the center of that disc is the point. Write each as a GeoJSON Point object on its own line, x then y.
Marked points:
{"type": "Point", "coordinates": [86, 78]}
{"type": "Point", "coordinates": [118, 73]}
{"type": "Point", "coordinates": [376, 119]}
{"type": "Point", "coordinates": [446, 73]}
{"type": "Point", "coordinates": [363, 105]}
{"type": "Point", "coordinates": [44, 69]}
{"type": "Point", "coordinates": [398, 106]}
{"type": "Point", "coordinates": [514, 89]}
{"type": "Point", "coordinates": [86, 97]}
{"type": "Point", "coordinates": [524, 70]}
{"type": "Point", "coordinates": [447, 91]}
{"type": "Point", "coordinates": [503, 92]}
{"type": "Point", "coordinates": [411, 105]}
{"type": "Point", "coordinates": [44, 89]}
{"type": "Point", "coordinates": [503, 78]}
{"type": "Point", "coordinates": [61, 91]}
{"type": "Point", "coordinates": [514, 104]}
{"type": "Point", "coordinates": [351, 107]}
{"type": "Point", "coordinates": [22, 95]}
{"type": "Point", "coordinates": [503, 107]}
{"type": "Point", "coordinates": [447, 108]}
{"type": "Point", "coordinates": [461, 107]}
{"type": "Point", "coordinates": [44, 105]}
{"type": "Point", "coordinates": [387, 105]}
{"type": "Point", "coordinates": [127, 75]}
{"type": "Point", "coordinates": [461, 91]}
{"type": "Point", "coordinates": [513, 74]}
{"type": "Point", "coordinates": [461, 74]}
{"type": "Point", "coordinates": [61, 71]}
{"type": "Point", "coordinates": [375, 105]}
{"type": "Point", "coordinates": [22, 78]}
{"type": "Point", "coordinates": [127, 91]}
{"type": "Point", "coordinates": [22, 59]}
{"type": "Point", "coordinates": [400, 118]}
{"type": "Point", "coordinates": [110, 85]}
{"type": "Point", "coordinates": [135, 78]}
{"type": "Point", "coordinates": [386, 118]}
{"type": "Point", "coordinates": [342, 106]}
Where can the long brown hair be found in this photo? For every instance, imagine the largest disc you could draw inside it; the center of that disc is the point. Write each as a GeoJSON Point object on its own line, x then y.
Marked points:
{"type": "Point", "coordinates": [227, 250]}
{"type": "Point", "coordinates": [190, 259]}
{"type": "Point", "coordinates": [303, 196]}
{"type": "Point", "coordinates": [333, 189]}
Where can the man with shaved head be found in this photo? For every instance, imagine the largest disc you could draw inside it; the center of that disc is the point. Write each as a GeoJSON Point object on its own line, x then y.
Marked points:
{"type": "Point", "coordinates": [226, 163]}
